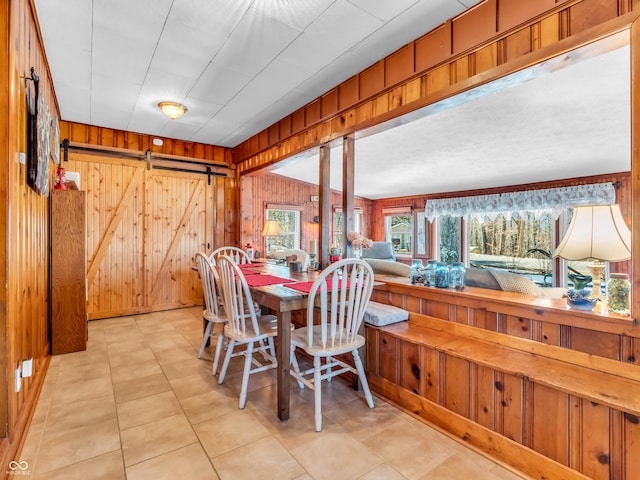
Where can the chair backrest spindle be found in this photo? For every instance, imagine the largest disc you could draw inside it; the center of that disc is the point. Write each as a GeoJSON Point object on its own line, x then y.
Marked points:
{"type": "Point", "coordinates": [341, 294]}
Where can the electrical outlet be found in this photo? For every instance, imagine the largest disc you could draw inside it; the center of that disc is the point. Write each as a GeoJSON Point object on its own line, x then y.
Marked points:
{"type": "Point", "coordinates": [27, 368]}
{"type": "Point", "coordinates": [18, 378]}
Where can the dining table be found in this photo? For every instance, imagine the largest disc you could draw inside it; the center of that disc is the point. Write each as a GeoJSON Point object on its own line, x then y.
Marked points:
{"type": "Point", "coordinates": [268, 285]}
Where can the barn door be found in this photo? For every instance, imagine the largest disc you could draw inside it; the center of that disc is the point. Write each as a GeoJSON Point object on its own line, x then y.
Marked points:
{"type": "Point", "coordinates": [175, 219]}
{"type": "Point", "coordinates": [144, 229]}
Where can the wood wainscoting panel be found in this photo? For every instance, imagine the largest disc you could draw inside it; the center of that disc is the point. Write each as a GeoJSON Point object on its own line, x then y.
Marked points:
{"type": "Point", "coordinates": [631, 435]}
{"type": "Point", "coordinates": [456, 384]}
{"type": "Point", "coordinates": [410, 367]}
{"type": "Point", "coordinates": [594, 439]}
{"type": "Point", "coordinates": [550, 423]}
{"type": "Point", "coordinates": [388, 350]}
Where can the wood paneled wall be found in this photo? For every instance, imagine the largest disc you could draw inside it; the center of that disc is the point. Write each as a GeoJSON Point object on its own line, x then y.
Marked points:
{"type": "Point", "coordinates": [486, 42]}
{"type": "Point", "coordinates": [260, 190]}
{"type": "Point", "coordinates": [119, 139]}
{"type": "Point", "coordinates": [24, 254]}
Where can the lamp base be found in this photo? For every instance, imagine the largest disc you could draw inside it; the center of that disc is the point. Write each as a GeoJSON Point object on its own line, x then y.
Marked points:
{"type": "Point", "coordinates": [597, 270]}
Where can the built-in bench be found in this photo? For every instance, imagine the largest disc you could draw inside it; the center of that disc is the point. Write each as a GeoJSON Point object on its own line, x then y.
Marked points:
{"type": "Point", "coordinates": [548, 411]}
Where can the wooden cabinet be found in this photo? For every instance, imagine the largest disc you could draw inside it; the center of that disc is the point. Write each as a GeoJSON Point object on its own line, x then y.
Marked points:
{"type": "Point", "coordinates": [68, 272]}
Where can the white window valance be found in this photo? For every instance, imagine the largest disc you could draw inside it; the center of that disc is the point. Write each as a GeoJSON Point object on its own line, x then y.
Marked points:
{"type": "Point", "coordinates": [550, 200]}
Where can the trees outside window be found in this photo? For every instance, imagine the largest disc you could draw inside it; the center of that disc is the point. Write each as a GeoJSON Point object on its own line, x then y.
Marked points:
{"type": "Point", "coordinates": [288, 221]}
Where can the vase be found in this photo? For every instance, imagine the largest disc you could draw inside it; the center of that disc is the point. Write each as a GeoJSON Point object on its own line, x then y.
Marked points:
{"type": "Point", "coordinates": [357, 252]}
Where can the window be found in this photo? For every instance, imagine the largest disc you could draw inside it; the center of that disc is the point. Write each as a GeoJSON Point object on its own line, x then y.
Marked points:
{"type": "Point", "coordinates": [398, 228]}
{"type": "Point", "coordinates": [338, 225]}
{"type": "Point", "coordinates": [448, 232]}
{"type": "Point", "coordinates": [288, 219]}
{"type": "Point", "coordinates": [513, 231]}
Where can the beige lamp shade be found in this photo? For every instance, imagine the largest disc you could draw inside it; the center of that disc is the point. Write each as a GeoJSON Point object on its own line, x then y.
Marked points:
{"type": "Point", "coordinates": [596, 232]}
{"type": "Point", "coordinates": [270, 229]}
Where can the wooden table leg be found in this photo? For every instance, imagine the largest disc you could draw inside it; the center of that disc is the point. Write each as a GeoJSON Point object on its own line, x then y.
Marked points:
{"type": "Point", "coordinates": [283, 344]}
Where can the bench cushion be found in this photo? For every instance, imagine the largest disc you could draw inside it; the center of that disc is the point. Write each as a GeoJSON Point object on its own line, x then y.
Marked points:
{"type": "Point", "coordinates": [379, 314]}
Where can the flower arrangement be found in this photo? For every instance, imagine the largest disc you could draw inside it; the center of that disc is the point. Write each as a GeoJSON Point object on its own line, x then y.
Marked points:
{"type": "Point", "coordinates": [358, 241]}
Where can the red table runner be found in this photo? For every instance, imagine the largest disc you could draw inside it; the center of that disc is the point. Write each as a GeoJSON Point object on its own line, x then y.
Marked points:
{"type": "Point", "coordinates": [305, 287]}
{"type": "Point", "coordinates": [262, 280]}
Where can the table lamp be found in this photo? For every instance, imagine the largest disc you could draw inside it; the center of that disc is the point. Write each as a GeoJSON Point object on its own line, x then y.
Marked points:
{"type": "Point", "coordinates": [597, 233]}
{"type": "Point", "coordinates": [270, 230]}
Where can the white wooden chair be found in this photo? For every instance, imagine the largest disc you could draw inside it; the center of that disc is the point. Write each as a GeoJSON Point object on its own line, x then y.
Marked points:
{"type": "Point", "coordinates": [244, 326]}
{"type": "Point", "coordinates": [234, 253]}
{"type": "Point", "coordinates": [213, 313]}
{"type": "Point", "coordinates": [341, 311]}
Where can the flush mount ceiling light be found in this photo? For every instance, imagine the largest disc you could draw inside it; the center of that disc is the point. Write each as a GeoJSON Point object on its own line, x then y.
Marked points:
{"type": "Point", "coordinates": [172, 110]}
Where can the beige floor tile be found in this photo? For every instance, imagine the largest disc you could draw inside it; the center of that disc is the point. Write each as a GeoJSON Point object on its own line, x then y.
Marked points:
{"type": "Point", "coordinates": [170, 340]}
{"type": "Point", "coordinates": [156, 438]}
{"type": "Point", "coordinates": [126, 346]}
{"type": "Point", "coordinates": [334, 457]}
{"type": "Point", "coordinates": [225, 433]}
{"type": "Point", "coordinates": [208, 405]}
{"type": "Point", "coordinates": [94, 358]}
{"type": "Point", "coordinates": [361, 421]}
{"type": "Point", "coordinates": [77, 373]}
{"type": "Point", "coordinates": [82, 390]}
{"type": "Point", "coordinates": [189, 462]}
{"type": "Point", "coordinates": [256, 381]}
{"type": "Point", "coordinates": [140, 387]}
{"type": "Point", "coordinates": [385, 472]}
{"type": "Point", "coordinates": [59, 449]}
{"type": "Point", "coordinates": [135, 370]}
{"type": "Point", "coordinates": [299, 429]}
{"type": "Point", "coordinates": [188, 367]}
{"type": "Point", "coordinates": [189, 386]}
{"type": "Point", "coordinates": [148, 409]}
{"type": "Point", "coordinates": [103, 467]}
{"type": "Point", "coordinates": [140, 354]}
{"type": "Point", "coordinates": [264, 459]}
{"type": "Point", "coordinates": [62, 417]}
{"type": "Point", "coordinates": [123, 333]}
{"type": "Point", "coordinates": [173, 355]}
{"type": "Point", "coordinates": [462, 466]}
{"type": "Point", "coordinates": [151, 326]}
{"type": "Point", "coordinates": [398, 444]}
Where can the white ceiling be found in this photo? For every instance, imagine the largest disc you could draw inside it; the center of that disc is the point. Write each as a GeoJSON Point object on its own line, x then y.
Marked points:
{"type": "Point", "coordinates": [533, 126]}
{"type": "Point", "coordinates": [238, 65]}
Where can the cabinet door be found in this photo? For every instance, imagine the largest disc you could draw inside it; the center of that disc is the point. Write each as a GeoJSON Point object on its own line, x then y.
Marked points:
{"type": "Point", "coordinates": [68, 272]}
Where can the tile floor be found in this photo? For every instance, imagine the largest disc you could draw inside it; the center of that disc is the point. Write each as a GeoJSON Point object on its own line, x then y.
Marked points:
{"type": "Point", "coordinates": [139, 405]}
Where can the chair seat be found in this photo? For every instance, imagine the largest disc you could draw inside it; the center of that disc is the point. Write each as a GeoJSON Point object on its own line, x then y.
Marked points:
{"type": "Point", "coordinates": [211, 317]}
{"type": "Point", "coordinates": [268, 328]}
{"type": "Point", "coordinates": [299, 338]}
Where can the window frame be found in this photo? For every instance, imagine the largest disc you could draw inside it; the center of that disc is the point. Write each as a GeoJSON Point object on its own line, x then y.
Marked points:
{"type": "Point", "coordinates": [405, 211]}
{"type": "Point", "coordinates": [296, 234]}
